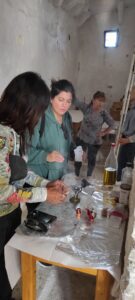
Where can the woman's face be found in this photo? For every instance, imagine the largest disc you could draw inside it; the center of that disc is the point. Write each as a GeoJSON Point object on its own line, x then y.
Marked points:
{"type": "Point", "coordinates": [98, 104]}
{"type": "Point", "coordinates": [61, 103]}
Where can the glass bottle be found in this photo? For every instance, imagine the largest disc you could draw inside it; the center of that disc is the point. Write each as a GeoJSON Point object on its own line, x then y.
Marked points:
{"type": "Point", "coordinates": [110, 168]}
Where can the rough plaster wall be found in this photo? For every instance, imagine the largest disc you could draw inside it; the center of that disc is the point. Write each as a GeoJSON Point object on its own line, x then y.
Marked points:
{"type": "Point", "coordinates": [35, 36]}
{"type": "Point", "coordinates": [105, 69]}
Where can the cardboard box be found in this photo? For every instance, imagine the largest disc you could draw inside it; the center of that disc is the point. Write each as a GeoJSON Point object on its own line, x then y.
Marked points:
{"type": "Point", "coordinates": [117, 105]}
{"type": "Point", "coordinates": [115, 115]}
{"type": "Point", "coordinates": [116, 110]}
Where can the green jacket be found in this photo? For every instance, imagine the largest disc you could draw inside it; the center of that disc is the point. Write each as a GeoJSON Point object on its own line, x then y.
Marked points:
{"type": "Point", "coordinates": [51, 139]}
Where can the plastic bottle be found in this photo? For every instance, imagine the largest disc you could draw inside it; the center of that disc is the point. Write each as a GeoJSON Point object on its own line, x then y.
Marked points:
{"type": "Point", "coordinates": [126, 183]}
{"type": "Point", "coordinates": [110, 168]}
{"type": "Point", "coordinates": [126, 177]}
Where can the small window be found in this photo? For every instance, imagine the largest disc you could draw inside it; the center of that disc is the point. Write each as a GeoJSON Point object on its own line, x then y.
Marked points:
{"type": "Point", "coordinates": [111, 38]}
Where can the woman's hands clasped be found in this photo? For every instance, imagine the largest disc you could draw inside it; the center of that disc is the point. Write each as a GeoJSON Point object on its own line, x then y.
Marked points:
{"type": "Point", "coordinates": [55, 156]}
{"type": "Point", "coordinates": [56, 191]}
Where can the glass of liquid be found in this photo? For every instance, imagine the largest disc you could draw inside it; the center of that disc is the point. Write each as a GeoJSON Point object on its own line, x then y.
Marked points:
{"type": "Point", "coordinates": [109, 177]}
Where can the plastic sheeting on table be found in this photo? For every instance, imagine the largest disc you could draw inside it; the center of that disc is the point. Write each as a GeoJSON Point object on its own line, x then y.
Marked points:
{"type": "Point", "coordinates": [98, 244]}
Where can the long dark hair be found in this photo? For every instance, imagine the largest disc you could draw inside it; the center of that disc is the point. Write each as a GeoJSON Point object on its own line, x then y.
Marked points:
{"type": "Point", "coordinates": [60, 86]}
{"type": "Point", "coordinates": [23, 102]}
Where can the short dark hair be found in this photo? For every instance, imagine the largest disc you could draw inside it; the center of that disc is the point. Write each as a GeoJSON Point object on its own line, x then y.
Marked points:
{"type": "Point", "coordinates": [99, 95]}
{"type": "Point", "coordinates": [23, 102]}
{"type": "Point", "coordinates": [60, 86]}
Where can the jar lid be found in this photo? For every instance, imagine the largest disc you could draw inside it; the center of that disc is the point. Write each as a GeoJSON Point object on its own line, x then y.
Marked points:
{"type": "Point", "coordinates": [125, 186]}
{"type": "Point", "coordinates": [129, 164]}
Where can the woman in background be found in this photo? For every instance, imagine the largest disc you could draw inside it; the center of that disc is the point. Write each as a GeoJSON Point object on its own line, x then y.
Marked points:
{"type": "Point", "coordinates": [91, 132]}
{"type": "Point", "coordinates": [22, 104]}
{"type": "Point", "coordinates": [48, 152]}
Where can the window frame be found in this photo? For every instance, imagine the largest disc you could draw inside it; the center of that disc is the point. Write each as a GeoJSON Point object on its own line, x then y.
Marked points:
{"type": "Point", "coordinates": [117, 42]}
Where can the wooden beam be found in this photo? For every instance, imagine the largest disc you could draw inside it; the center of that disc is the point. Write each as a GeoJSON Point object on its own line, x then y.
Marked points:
{"type": "Point", "coordinates": [104, 282]}
{"type": "Point", "coordinates": [28, 265]}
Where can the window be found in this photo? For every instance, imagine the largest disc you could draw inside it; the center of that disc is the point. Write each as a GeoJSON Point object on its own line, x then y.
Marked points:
{"type": "Point", "coordinates": [111, 38]}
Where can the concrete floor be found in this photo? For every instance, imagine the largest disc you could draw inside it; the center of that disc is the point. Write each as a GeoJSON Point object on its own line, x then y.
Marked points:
{"type": "Point", "coordinates": [60, 284]}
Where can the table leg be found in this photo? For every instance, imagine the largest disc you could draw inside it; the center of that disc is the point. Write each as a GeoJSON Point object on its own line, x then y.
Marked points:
{"type": "Point", "coordinates": [28, 263]}
{"type": "Point", "coordinates": [104, 282]}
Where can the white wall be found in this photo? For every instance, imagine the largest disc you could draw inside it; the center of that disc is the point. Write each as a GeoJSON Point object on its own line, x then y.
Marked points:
{"type": "Point", "coordinates": [105, 69]}
{"type": "Point", "coordinates": [35, 36]}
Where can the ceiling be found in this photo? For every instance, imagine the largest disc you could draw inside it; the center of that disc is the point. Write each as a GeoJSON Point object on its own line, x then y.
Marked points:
{"type": "Point", "coordinates": [82, 10]}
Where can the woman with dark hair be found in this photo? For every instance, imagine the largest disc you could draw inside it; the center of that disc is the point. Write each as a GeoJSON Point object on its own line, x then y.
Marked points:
{"type": "Point", "coordinates": [22, 104]}
{"type": "Point", "coordinates": [48, 154]}
{"type": "Point", "coordinates": [91, 132]}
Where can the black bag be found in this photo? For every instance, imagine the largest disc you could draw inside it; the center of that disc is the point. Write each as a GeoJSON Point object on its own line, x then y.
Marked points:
{"type": "Point", "coordinates": [39, 221]}
{"type": "Point", "coordinates": [18, 167]}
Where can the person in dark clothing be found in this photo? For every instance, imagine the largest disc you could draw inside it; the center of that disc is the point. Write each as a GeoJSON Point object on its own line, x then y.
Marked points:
{"type": "Point", "coordinates": [127, 139]}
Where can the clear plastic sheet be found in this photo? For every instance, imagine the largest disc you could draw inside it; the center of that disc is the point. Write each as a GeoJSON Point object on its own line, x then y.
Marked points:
{"type": "Point", "coordinates": [98, 243]}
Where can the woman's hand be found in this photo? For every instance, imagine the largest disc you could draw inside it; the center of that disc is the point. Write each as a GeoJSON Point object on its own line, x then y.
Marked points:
{"type": "Point", "coordinates": [54, 196]}
{"type": "Point", "coordinates": [101, 133]}
{"type": "Point", "coordinates": [55, 156]}
{"type": "Point", "coordinates": [59, 186]}
{"type": "Point", "coordinates": [123, 141]}
{"type": "Point", "coordinates": [104, 132]}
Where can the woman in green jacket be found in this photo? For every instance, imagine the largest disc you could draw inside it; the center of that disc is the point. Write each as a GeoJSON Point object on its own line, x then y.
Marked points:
{"type": "Point", "coordinates": [49, 147]}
